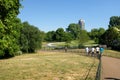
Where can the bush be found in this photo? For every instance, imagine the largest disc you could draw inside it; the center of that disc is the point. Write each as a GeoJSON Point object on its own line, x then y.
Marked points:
{"type": "Point", "coordinates": [81, 46]}
{"type": "Point", "coordinates": [18, 53]}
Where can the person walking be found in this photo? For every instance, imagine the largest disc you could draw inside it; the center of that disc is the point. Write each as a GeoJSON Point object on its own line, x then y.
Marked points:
{"type": "Point", "coordinates": [101, 52]}
{"type": "Point", "coordinates": [86, 50]}
{"type": "Point", "coordinates": [93, 51]}
{"type": "Point", "coordinates": [65, 48]}
{"type": "Point", "coordinates": [97, 51]}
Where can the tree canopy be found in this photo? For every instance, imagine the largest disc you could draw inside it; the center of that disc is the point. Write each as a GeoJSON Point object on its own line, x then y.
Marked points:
{"type": "Point", "coordinates": [30, 38]}
{"type": "Point", "coordinates": [74, 30]}
{"type": "Point", "coordinates": [111, 37]}
{"type": "Point", "coordinates": [114, 21]}
{"type": "Point", "coordinates": [95, 34]}
{"type": "Point", "coordinates": [9, 9]}
{"type": "Point", "coordinates": [15, 35]}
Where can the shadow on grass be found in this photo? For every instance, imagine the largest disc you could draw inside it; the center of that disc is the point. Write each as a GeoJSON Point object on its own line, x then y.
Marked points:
{"type": "Point", "coordinates": [3, 58]}
{"type": "Point", "coordinates": [92, 65]}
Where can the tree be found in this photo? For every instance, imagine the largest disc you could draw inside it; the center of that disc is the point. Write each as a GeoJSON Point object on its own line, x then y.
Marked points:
{"type": "Point", "coordinates": [114, 21]}
{"type": "Point", "coordinates": [67, 37]}
{"type": "Point", "coordinates": [30, 38]}
{"type": "Point", "coordinates": [50, 36]}
{"type": "Point", "coordinates": [96, 33]}
{"type": "Point", "coordinates": [60, 34]}
{"type": "Point", "coordinates": [82, 37]}
{"type": "Point", "coordinates": [9, 9]}
{"type": "Point", "coordinates": [73, 29]}
{"type": "Point", "coordinates": [109, 37]}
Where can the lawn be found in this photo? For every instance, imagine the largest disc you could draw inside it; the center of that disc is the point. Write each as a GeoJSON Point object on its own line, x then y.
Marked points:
{"type": "Point", "coordinates": [48, 66]}
{"type": "Point", "coordinates": [72, 44]}
{"type": "Point", "coordinates": [112, 53]}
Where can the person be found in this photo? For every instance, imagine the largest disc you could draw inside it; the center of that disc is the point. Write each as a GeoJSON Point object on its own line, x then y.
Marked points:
{"type": "Point", "coordinates": [101, 52]}
{"type": "Point", "coordinates": [87, 50]}
{"type": "Point", "coordinates": [65, 48]}
{"type": "Point", "coordinates": [93, 50]}
{"type": "Point", "coordinates": [97, 51]}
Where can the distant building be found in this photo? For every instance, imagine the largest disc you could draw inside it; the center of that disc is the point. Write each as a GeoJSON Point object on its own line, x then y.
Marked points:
{"type": "Point", "coordinates": [82, 24]}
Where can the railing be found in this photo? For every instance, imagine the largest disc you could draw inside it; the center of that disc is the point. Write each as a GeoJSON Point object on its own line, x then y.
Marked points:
{"type": "Point", "coordinates": [98, 74]}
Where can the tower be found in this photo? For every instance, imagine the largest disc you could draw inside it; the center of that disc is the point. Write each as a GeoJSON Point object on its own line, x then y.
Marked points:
{"type": "Point", "coordinates": [82, 24]}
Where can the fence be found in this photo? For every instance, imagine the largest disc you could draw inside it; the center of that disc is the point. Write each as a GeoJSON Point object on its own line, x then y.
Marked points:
{"type": "Point", "coordinates": [98, 74]}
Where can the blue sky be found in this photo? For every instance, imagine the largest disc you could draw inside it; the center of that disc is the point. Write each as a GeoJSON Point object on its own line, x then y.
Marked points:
{"type": "Point", "coordinates": [50, 15]}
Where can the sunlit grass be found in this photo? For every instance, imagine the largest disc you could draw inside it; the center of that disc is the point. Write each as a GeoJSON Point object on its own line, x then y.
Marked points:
{"type": "Point", "coordinates": [112, 53]}
{"type": "Point", "coordinates": [90, 43]}
{"type": "Point", "coordinates": [48, 66]}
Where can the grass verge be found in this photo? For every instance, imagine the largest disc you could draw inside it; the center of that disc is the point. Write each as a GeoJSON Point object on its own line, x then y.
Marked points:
{"type": "Point", "coordinates": [112, 53]}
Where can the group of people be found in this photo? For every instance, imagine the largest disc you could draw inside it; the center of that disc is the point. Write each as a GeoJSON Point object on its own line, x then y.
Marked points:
{"type": "Point", "coordinates": [94, 51]}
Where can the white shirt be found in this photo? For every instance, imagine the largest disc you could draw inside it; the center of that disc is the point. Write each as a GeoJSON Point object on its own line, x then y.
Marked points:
{"type": "Point", "coordinates": [93, 49]}
{"type": "Point", "coordinates": [97, 48]}
{"type": "Point", "coordinates": [87, 49]}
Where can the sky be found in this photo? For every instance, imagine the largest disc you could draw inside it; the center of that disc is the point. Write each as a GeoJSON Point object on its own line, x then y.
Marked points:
{"type": "Point", "coordinates": [49, 15]}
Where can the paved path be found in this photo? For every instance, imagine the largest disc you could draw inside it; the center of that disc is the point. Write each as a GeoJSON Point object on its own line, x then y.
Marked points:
{"type": "Point", "coordinates": [110, 68]}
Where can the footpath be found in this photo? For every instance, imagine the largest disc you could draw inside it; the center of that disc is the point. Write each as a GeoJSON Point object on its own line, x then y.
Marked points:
{"type": "Point", "coordinates": [110, 68]}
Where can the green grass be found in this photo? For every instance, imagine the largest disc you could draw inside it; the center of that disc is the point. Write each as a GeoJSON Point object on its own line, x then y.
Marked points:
{"type": "Point", "coordinates": [48, 66]}
{"type": "Point", "coordinates": [90, 43]}
{"type": "Point", "coordinates": [112, 53]}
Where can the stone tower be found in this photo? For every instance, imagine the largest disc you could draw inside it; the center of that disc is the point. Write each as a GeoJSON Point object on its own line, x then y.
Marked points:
{"type": "Point", "coordinates": [82, 24]}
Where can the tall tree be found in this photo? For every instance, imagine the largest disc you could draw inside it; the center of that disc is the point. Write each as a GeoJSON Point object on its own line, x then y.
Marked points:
{"type": "Point", "coordinates": [96, 33]}
{"type": "Point", "coordinates": [114, 21]}
{"type": "Point", "coordinates": [50, 36]}
{"type": "Point", "coordinates": [109, 36]}
{"type": "Point", "coordinates": [9, 9]}
{"type": "Point", "coordinates": [30, 38]}
{"type": "Point", "coordinates": [82, 37]}
{"type": "Point", "coordinates": [74, 30]}
{"type": "Point", "coordinates": [60, 33]}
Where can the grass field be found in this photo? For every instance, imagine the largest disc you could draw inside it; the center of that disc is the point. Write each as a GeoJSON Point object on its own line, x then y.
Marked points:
{"type": "Point", "coordinates": [112, 53]}
{"type": "Point", "coordinates": [49, 66]}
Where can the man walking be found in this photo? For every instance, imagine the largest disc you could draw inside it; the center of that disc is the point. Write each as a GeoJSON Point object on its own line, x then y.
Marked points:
{"type": "Point", "coordinates": [87, 50]}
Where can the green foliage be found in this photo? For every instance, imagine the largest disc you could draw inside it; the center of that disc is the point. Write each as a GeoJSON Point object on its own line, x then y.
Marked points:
{"type": "Point", "coordinates": [96, 33]}
{"type": "Point", "coordinates": [77, 33]}
{"type": "Point", "coordinates": [58, 35]}
{"type": "Point", "coordinates": [73, 29]}
{"type": "Point", "coordinates": [81, 46]}
{"type": "Point", "coordinates": [114, 21]}
{"type": "Point", "coordinates": [30, 38]}
{"type": "Point", "coordinates": [9, 9]}
{"type": "Point", "coordinates": [111, 37]}
{"type": "Point", "coordinates": [82, 37]}
{"type": "Point", "coordinates": [50, 36]}
{"type": "Point", "coordinates": [67, 37]}
{"type": "Point", "coordinates": [8, 33]}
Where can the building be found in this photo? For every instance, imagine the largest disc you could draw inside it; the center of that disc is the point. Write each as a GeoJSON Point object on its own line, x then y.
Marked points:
{"type": "Point", "coordinates": [82, 24]}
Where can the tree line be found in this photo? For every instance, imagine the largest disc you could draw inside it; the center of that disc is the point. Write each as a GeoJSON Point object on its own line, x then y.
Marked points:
{"type": "Point", "coordinates": [17, 36]}
{"type": "Point", "coordinates": [109, 37]}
